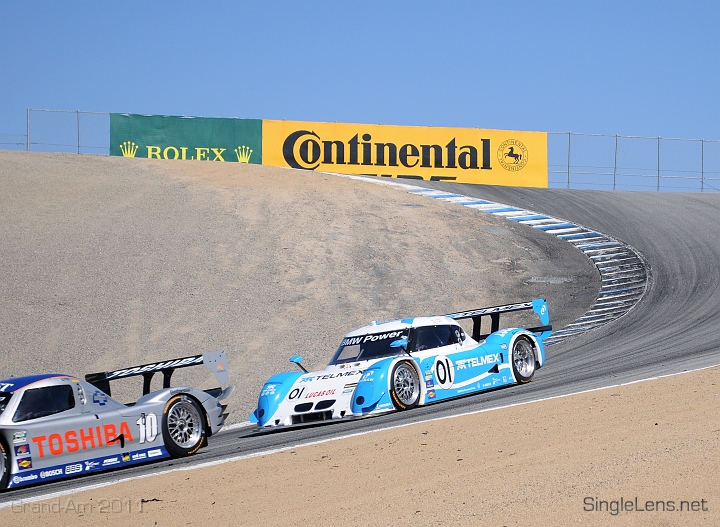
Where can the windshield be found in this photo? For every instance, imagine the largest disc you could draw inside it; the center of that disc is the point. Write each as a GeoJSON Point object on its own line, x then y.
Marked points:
{"type": "Point", "coordinates": [366, 347]}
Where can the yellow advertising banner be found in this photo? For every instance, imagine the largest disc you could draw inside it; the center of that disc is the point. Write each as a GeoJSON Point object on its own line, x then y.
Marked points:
{"type": "Point", "coordinates": [462, 155]}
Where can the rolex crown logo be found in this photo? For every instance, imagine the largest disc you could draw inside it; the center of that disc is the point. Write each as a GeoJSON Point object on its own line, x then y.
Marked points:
{"type": "Point", "coordinates": [128, 149]}
{"type": "Point", "coordinates": [243, 154]}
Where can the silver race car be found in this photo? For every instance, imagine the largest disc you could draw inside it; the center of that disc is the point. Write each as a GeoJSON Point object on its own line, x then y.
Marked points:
{"type": "Point", "coordinates": [56, 426]}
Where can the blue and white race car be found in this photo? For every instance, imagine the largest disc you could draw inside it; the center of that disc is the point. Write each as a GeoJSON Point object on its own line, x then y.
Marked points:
{"type": "Point", "coordinates": [401, 364]}
{"type": "Point", "coordinates": [56, 426]}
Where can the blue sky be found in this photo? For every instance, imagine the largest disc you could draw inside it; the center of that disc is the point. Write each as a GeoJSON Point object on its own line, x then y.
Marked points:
{"type": "Point", "coordinates": [633, 68]}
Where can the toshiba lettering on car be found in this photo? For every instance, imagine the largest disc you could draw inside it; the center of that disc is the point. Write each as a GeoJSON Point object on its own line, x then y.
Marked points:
{"type": "Point", "coordinates": [401, 364]}
{"type": "Point", "coordinates": [56, 426]}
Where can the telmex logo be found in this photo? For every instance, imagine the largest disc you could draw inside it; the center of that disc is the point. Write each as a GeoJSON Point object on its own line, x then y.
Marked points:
{"type": "Point", "coordinates": [305, 149]}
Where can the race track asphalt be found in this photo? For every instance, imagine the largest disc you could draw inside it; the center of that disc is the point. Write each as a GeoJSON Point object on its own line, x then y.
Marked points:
{"type": "Point", "coordinates": [672, 329]}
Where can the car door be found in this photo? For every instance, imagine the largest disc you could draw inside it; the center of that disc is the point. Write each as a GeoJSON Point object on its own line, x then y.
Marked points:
{"type": "Point", "coordinates": [436, 346]}
{"type": "Point", "coordinates": [59, 433]}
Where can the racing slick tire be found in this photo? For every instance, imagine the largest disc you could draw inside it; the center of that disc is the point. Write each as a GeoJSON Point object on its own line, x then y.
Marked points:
{"type": "Point", "coordinates": [183, 426]}
{"type": "Point", "coordinates": [523, 359]}
{"type": "Point", "coordinates": [4, 465]}
{"type": "Point", "coordinates": [404, 386]}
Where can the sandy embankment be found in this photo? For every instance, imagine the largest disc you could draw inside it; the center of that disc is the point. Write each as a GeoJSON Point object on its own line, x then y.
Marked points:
{"type": "Point", "coordinates": [566, 461]}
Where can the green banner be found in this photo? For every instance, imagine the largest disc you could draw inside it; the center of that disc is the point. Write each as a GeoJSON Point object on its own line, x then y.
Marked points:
{"type": "Point", "coordinates": [197, 138]}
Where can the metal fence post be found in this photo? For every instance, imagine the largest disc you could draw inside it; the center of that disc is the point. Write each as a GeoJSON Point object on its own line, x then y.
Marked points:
{"type": "Point", "coordinates": [78, 120]}
{"type": "Point", "coordinates": [615, 168]}
{"type": "Point", "coordinates": [702, 165]}
{"type": "Point", "coordinates": [568, 183]}
{"type": "Point", "coordinates": [658, 186]}
{"type": "Point", "coordinates": [27, 135]}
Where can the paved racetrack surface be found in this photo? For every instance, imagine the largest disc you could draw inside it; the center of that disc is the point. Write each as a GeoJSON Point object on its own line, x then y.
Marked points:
{"type": "Point", "coordinates": [671, 330]}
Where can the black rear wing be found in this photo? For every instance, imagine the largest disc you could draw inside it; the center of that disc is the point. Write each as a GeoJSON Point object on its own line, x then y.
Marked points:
{"type": "Point", "coordinates": [215, 361]}
{"type": "Point", "coordinates": [539, 305]}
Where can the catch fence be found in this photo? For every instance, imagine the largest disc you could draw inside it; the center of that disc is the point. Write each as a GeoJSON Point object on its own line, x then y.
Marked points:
{"type": "Point", "coordinates": [575, 160]}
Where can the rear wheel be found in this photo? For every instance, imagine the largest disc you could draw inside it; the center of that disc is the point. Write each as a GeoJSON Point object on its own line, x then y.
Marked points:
{"type": "Point", "coordinates": [183, 426]}
{"type": "Point", "coordinates": [523, 360]}
{"type": "Point", "coordinates": [404, 386]}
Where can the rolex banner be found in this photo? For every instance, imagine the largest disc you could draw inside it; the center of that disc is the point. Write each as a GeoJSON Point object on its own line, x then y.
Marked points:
{"type": "Point", "coordinates": [462, 155]}
{"type": "Point", "coordinates": [198, 138]}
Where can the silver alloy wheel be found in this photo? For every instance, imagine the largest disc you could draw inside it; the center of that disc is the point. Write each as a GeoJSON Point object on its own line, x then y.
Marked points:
{"type": "Point", "coordinates": [184, 424]}
{"type": "Point", "coordinates": [524, 358]}
{"type": "Point", "coordinates": [406, 385]}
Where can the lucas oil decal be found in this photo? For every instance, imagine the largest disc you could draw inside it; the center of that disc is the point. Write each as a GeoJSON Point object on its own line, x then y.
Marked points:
{"type": "Point", "coordinates": [297, 393]}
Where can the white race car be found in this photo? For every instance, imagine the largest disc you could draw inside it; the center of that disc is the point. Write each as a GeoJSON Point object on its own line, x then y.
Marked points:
{"type": "Point", "coordinates": [401, 364]}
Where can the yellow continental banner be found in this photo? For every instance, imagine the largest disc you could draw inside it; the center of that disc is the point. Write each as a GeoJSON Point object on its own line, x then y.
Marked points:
{"type": "Point", "coordinates": [462, 155]}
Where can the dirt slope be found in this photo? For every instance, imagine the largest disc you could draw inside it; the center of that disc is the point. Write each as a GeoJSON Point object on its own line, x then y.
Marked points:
{"type": "Point", "coordinates": [113, 262]}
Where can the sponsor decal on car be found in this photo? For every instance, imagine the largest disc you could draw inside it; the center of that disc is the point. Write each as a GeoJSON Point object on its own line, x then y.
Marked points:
{"type": "Point", "coordinates": [429, 383]}
{"type": "Point", "coordinates": [100, 398]}
{"type": "Point", "coordinates": [22, 451]}
{"type": "Point", "coordinates": [268, 389]}
{"type": "Point", "coordinates": [126, 457]}
{"type": "Point", "coordinates": [6, 387]}
{"type": "Point", "coordinates": [431, 394]}
{"type": "Point", "coordinates": [138, 456]}
{"type": "Point", "coordinates": [73, 469]}
{"type": "Point", "coordinates": [331, 376]}
{"type": "Point", "coordinates": [349, 388]}
{"type": "Point", "coordinates": [110, 461]}
{"type": "Point", "coordinates": [24, 464]}
{"type": "Point", "coordinates": [20, 437]}
{"type": "Point", "coordinates": [154, 453]}
{"type": "Point", "coordinates": [322, 393]}
{"type": "Point", "coordinates": [82, 439]}
{"type": "Point", "coordinates": [176, 363]}
{"type": "Point", "coordinates": [353, 341]}
{"type": "Point", "coordinates": [20, 479]}
{"type": "Point", "coordinates": [91, 465]}
{"type": "Point", "coordinates": [51, 473]}
{"type": "Point", "coordinates": [474, 362]}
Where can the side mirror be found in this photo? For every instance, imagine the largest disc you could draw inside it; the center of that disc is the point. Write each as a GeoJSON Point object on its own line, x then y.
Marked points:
{"type": "Point", "coordinates": [297, 359]}
{"type": "Point", "coordinates": [400, 343]}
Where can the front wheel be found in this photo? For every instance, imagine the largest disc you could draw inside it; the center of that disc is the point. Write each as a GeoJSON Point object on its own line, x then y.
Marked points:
{"type": "Point", "coordinates": [523, 360]}
{"type": "Point", "coordinates": [4, 466]}
{"type": "Point", "coordinates": [183, 426]}
{"type": "Point", "coordinates": [404, 386]}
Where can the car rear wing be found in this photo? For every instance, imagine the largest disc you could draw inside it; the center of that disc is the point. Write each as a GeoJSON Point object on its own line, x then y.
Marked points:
{"type": "Point", "coordinates": [539, 305]}
{"type": "Point", "coordinates": [215, 361]}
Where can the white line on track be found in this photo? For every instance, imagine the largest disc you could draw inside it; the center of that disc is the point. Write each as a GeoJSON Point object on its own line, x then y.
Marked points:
{"type": "Point", "coordinates": [52, 495]}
